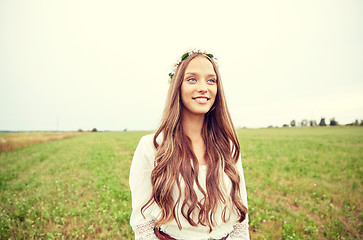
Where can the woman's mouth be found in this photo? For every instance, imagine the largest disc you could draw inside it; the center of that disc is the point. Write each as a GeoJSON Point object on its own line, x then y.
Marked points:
{"type": "Point", "coordinates": [201, 99]}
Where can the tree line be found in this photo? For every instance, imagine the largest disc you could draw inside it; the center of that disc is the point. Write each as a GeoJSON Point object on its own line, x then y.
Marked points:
{"type": "Point", "coordinates": [322, 123]}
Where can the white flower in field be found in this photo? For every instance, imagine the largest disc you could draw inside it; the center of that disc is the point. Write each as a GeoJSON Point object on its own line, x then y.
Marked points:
{"type": "Point", "coordinates": [263, 220]}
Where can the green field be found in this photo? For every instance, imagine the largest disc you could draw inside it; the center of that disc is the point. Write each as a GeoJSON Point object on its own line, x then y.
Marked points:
{"type": "Point", "coordinates": [302, 183]}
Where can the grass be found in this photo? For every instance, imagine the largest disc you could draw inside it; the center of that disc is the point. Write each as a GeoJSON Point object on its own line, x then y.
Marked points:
{"type": "Point", "coordinates": [302, 183]}
{"type": "Point", "coordinates": [12, 141]}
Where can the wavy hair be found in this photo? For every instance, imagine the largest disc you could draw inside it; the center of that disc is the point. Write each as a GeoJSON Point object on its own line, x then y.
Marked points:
{"type": "Point", "coordinates": [177, 165]}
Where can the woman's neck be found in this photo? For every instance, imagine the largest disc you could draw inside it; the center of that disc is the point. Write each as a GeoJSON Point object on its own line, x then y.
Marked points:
{"type": "Point", "coordinates": [193, 125]}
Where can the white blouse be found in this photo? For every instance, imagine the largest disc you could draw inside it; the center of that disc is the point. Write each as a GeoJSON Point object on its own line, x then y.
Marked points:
{"type": "Point", "coordinates": [141, 190]}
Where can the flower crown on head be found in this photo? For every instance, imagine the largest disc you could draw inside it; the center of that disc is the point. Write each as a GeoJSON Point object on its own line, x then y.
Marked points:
{"type": "Point", "coordinates": [186, 55]}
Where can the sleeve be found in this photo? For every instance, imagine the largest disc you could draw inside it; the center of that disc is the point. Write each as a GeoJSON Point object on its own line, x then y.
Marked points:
{"type": "Point", "coordinates": [141, 189]}
{"type": "Point", "coordinates": [240, 230]}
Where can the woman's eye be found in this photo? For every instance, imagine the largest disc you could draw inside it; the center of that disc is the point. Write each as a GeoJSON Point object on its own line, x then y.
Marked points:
{"type": "Point", "coordinates": [211, 81]}
{"type": "Point", "coordinates": [192, 80]}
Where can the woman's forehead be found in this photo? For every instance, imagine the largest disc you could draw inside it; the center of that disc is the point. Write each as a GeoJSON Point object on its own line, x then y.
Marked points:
{"type": "Point", "coordinates": [200, 63]}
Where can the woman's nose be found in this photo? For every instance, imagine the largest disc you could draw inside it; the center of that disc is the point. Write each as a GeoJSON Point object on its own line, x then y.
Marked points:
{"type": "Point", "coordinates": [202, 87]}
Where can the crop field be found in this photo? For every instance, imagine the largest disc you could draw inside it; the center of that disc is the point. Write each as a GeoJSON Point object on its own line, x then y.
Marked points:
{"type": "Point", "coordinates": [302, 183]}
{"type": "Point", "coordinates": [12, 141]}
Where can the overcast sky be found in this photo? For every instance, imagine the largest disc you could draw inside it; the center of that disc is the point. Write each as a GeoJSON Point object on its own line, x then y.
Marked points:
{"type": "Point", "coordinates": [69, 65]}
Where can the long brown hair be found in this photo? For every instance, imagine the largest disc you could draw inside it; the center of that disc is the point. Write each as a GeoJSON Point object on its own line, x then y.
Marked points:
{"type": "Point", "coordinates": [175, 161]}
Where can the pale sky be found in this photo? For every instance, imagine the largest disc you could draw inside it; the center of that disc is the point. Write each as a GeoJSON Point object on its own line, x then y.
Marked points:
{"type": "Point", "coordinates": [69, 65]}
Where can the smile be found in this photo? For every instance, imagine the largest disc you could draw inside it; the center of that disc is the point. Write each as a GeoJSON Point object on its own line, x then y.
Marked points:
{"type": "Point", "coordinates": [201, 99]}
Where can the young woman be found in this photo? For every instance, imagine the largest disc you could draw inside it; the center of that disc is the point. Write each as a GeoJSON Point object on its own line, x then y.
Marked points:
{"type": "Point", "coordinates": [186, 179]}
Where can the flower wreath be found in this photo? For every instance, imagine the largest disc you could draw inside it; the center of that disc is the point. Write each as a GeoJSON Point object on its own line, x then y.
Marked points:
{"type": "Point", "coordinates": [186, 55]}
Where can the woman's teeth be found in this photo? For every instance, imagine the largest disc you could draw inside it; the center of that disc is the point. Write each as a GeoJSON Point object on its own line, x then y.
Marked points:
{"type": "Point", "coordinates": [201, 99]}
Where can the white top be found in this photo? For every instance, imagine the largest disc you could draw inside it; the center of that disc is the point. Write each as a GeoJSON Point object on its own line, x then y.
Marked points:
{"type": "Point", "coordinates": [141, 190]}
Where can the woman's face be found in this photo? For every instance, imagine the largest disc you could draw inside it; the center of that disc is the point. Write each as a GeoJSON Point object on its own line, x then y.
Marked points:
{"type": "Point", "coordinates": [199, 87]}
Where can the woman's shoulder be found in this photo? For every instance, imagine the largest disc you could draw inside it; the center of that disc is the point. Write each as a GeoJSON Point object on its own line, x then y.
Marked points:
{"type": "Point", "coordinates": [148, 137]}
{"type": "Point", "coordinates": [147, 141]}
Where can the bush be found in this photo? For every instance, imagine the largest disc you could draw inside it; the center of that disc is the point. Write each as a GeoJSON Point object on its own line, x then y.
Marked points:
{"type": "Point", "coordinates": [322, 122]}
{"type": "Point", "coordinates": [333, 122]}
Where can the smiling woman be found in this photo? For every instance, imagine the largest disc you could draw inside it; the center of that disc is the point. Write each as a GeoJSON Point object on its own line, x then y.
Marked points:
{"type": "Point", "coordinates": [187, 179]}
{"type": "Point", "coordinates": [199, 89]}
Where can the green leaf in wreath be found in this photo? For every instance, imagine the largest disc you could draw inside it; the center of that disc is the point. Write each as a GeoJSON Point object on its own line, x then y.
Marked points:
{"type": "Point", "coordinates": [185, 55]}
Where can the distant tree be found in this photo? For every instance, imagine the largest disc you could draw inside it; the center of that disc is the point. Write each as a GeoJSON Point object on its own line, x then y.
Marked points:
{"type": "Point", "coordinates": [361, 123]}
{"type": "Point", "coordinates": [285, 125]}
{"type": "Point", "coordinates": [322, 122]}
{"type": "Point", "coordinates": [312, 123]}
{"type": "Point", "coordinates": [293, 123]}
{"type": "Point", "coordinates": [80, 130]}
{"type": "Point", "coordinates": [125, 130]}
{"type": "Point", "coordinates": [333, 122]}
{"type": "Point", "coordinates": [356, 123]}
{"type": "Point", "coordinates": [94, 130]}
{"type": "Point", "coordinates": [304, 123]}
